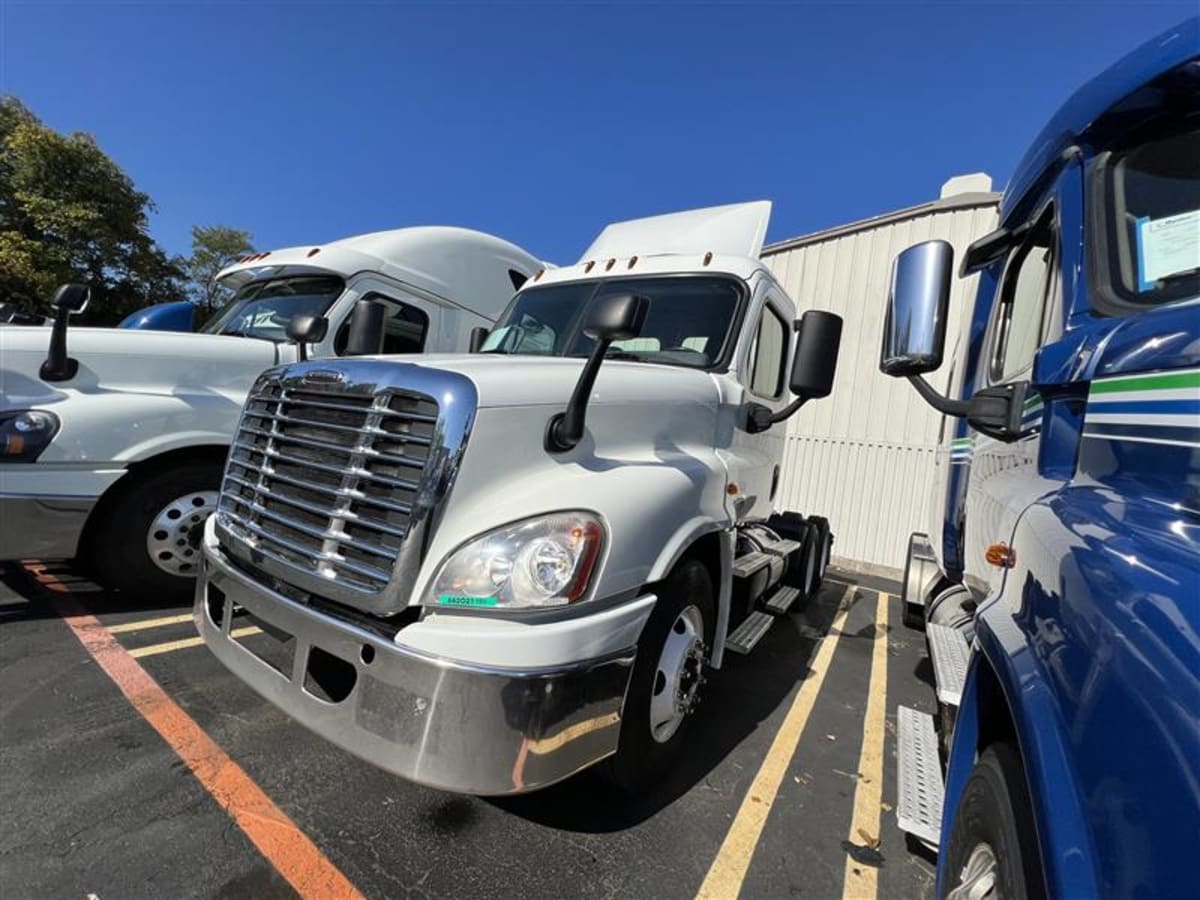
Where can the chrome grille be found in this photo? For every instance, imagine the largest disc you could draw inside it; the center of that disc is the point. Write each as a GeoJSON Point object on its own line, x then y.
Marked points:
{"type": "Point", "coordinates": [326, 481]}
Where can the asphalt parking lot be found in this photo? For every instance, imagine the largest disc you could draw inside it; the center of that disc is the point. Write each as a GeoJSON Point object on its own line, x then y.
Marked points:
{"type": "Point", "coordinates": [133, 764]}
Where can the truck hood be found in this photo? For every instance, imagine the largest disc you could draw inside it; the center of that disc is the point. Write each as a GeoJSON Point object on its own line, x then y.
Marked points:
{"type": "Point", "coordinates": [124, 359]}
{"type": "Point", "coordinates": [510, 381]}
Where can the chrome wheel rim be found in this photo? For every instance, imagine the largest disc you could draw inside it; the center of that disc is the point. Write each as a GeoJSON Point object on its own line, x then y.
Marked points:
{"type": "Point", "coordinates": [678, 676]}
{"type": "Point", "coordinates": [173, 541]}
{"type": "Point", "coordinates": [977, 881]}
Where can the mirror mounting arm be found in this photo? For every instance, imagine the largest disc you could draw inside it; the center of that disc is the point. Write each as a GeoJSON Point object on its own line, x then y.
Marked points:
{"type": "Point", "coordinates": [956, 408]}
{"type": "Point", "coordinates": [759, 418]}
{"type": "Point", "coordinates": [565, 429]}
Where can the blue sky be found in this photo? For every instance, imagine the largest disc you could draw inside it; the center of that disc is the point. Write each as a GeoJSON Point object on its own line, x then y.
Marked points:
{"type": "Point", "coordinates": [540, 122]}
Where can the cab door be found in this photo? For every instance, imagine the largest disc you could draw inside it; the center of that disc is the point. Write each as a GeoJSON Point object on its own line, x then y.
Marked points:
{"type": "Point", "coordinates": [411, 324]}
{"type": "Point", "coordinates": [754, 460]}
{"type": "Point", "coordinates": [1004, 477]}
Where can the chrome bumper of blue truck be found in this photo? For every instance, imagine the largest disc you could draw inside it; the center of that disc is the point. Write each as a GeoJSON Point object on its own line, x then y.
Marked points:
{"type": "Point", "coordinates": [445, 723]}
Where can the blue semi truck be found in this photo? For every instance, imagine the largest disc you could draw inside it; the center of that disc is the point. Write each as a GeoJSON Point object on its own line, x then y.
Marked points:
{"type": "Point", "coordinates": [1059, 585]}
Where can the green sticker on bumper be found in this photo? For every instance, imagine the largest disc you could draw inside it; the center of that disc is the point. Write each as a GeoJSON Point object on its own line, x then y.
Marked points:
{"type": "Point", "coordinates": [454, 600]}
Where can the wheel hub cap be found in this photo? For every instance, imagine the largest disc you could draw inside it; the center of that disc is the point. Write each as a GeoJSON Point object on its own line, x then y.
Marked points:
{"type": "Point", "coordinates": [173, 540]}
{"type": "Point", "coordinates": [978, 878]}
{"type": "Point", "coordinates": [680, 672]}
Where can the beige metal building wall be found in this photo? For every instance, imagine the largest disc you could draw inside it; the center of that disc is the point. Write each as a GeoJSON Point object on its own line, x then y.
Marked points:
{"type": "Point", "coordinates": [864, 456]}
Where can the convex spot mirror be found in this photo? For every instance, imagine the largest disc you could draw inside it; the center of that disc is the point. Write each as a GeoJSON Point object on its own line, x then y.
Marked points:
{"type": "Point", "coordinates": [72, 298]}
{"type": "Point", "coordinates": [305, 330]}
{"type": "Point", "coordinates": [914, 329]}
{"type": "Point", "coordinates": [818, 337]}
{"type": "Point", "coordinates": [616, 318]}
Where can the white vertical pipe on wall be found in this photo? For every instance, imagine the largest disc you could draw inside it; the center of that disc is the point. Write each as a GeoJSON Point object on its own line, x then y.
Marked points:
{"type": "Point", "coordinates": [864, 457]}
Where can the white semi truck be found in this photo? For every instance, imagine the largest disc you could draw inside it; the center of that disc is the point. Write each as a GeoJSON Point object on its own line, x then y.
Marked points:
{"type": "Point", "coordinates": [486, 572]}
{"type": "Point", "coordinates": [112, 440]}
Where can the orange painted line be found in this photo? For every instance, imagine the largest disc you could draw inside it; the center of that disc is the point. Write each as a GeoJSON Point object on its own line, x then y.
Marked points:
{"type": "Point", "coordinates": [275, 835]}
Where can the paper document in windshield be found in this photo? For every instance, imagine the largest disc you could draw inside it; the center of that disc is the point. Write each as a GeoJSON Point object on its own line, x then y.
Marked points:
{"type": "Point", "coordinates": [1167, 246]}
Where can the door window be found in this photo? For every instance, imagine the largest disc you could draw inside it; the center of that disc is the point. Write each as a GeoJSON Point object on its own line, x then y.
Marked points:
{"type": "Point", "coordinates": [405, 327]}
{"type": "Point", "coordinates": [1021, 312]}
{"type": "Point", "coordinates": [768, 354]}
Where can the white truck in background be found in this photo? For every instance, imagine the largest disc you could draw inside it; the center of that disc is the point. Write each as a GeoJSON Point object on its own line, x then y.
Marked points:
{"type": "Point", "coordinates": [486, 572]}
{"type": "Point", "coordinates": [111, 444]}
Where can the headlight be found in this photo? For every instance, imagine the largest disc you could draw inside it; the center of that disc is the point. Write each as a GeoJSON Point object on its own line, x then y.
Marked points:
{"type": "Point", "coordinates": [537, 563]}
{"type": "Point", "coordinates": [25, 434]}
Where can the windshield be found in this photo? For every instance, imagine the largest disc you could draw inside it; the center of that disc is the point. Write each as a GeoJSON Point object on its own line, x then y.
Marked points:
{"type": "Point", "coordinates": [1149, 235]}
{"type": "Point", "coordinates": [687, 324]}
{"type": "Point", "coordinates": [263, 309]}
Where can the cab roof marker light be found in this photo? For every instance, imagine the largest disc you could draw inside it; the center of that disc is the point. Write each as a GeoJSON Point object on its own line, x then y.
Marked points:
{"type": "Point", "coordinates": [707, 257]}
{"type": "Point", "coordinates": [632, 262]}
{"type": "Point", "coordinates": [612, 262]}
{"type": "Point", "coordinates": [540, 273]}
{"type": "Point", "coordinates": [314, 251]}
{"type": "Point", "coordinates": [588, 266]}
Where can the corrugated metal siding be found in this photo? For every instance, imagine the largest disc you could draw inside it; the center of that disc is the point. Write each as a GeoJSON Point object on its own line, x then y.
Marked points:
{"type": "Point", "coordinates": [864, 456]}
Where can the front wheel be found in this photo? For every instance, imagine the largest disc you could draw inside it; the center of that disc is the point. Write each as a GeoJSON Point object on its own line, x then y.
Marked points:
{"type": "Point", "coordinates": [149, 540]}
{"type": "Point", "coordinates": [667, 675]}
{"type": "Point", "coordinates": [993, 849]}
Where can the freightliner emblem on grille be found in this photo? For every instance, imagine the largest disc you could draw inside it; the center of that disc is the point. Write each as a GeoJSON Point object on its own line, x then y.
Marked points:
{"type": "Point", "coordinates": [324, 376]}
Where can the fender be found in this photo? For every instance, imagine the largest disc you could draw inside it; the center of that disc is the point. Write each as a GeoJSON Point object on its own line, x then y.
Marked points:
{"type": "Point", "coordinates": [1064, 842]}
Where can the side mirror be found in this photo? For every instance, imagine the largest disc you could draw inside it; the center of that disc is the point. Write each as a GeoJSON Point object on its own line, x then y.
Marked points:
{"type": "Point", "coordinates": [69, 300]}
{"type": "Point", "coordinates": [305, 330]}
{"type": "Point", "coordinates": [818, 338]}
{"type": "Point", "coordinates": [366, 329]}
{"type": "Point", "coordinates": [616, 318]}
{"type": "Point", "coordinates": [914, 330]}
{"type": "Point", "coordinates": [478, 336]}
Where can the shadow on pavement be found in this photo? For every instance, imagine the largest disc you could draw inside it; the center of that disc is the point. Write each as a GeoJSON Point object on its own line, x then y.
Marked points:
{"type": "Point", "coordinates": [738, 698]}
{"type": "Point", "coordinates": [33, 581]}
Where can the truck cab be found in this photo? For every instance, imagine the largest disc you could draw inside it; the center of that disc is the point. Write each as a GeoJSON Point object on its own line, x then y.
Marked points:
{"type": "Point", "coordinates": [1061, 588]}
{"type": "Point", "coordinates": [114, 439]}
{"type": "Point", "coordinates": [485, 572]}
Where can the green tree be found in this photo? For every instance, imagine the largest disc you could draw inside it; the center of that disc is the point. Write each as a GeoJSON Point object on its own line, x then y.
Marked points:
{"type": "Point", "coordinates": [69, 213]}
{"type": "Point", "coordinates": [213, 248]}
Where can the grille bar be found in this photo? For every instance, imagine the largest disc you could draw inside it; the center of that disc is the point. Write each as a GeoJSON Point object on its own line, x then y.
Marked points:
{"type": "Point", "coordinates": [318, 510]}
{"type": "Point", "coordinates": [337, 448]}
{"type": "Point", "coordinates": [301, 550]}
{"type": "Point", "coordinates": [398, 436]}
{"type": "Point", "coordinates": [404, 483]}
{"type": "Point", "coordinates": [326, 489]}
{"type": "Point", "coordinates": [312, 484]}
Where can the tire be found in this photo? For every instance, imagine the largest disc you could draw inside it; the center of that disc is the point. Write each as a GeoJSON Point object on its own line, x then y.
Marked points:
{"type": "Point", "coordinates": [643, 755]}
{"type": "Point", "coordinates": [994, 817]}
{"type": "Point", "coordinates": [797, 574]}
{"type": "Point", "coordinates": [952, 607]}
{"type": "Point", "coordinates": [824, 545]}
{"type": "Point", "coordinates": [119, 551]}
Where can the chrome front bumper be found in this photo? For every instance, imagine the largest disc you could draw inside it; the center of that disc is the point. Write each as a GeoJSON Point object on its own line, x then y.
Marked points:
{"type": "Point", "coordinates": [42, 527]}
{"type": "Point", "coordinates": [445, 723]}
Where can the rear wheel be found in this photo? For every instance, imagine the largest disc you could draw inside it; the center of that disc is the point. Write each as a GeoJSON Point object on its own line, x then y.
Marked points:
{"type": "Point", "coordinates": [824, 545]}
{"type": "Point", "coordinates": [150, 537]}
{"type": "Point", "coordinates": [667, 675]}
{"type": "Point", "coordinates": [993, 850]}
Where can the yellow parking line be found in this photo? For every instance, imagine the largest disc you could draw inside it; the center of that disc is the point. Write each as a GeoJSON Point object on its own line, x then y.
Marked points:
{"type": "Point", "coordinates": [862, 881]}
{"type": "Point", "coordinates": [149, 623]}
{"type": "Point", "coordinates": [728, 870]}
{"type": "Point", "coordinates": [155, 649]}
